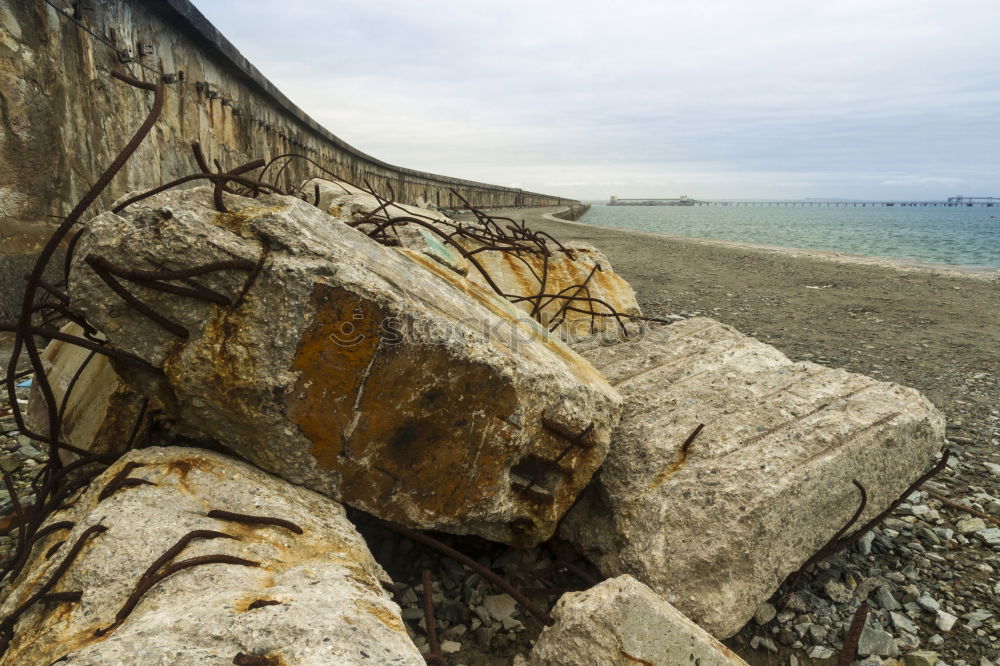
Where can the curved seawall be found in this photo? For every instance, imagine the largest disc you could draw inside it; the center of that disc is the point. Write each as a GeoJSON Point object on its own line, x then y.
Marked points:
{"type": "Point", "coordinates": [63, 117]}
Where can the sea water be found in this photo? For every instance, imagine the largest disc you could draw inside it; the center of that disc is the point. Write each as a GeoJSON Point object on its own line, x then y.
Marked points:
{"type": "Point", "coordinates": [960, 236]}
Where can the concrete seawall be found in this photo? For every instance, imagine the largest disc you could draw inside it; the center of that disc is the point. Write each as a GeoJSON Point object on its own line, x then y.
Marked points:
{"type": "Point", "coordinates": [574, 212]}
{"type": "Point", "coordinates": [63, 117]}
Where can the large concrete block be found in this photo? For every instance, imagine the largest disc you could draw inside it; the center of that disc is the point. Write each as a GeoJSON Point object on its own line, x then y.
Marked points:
{"type": "Point", "coordinates": [572, 281]}
{"type": "Point", "coordinates": [717, 527]}
{"type": "Point", "coordinates": [386, 381]}
{"type": "Point", "coordinates": [100, 413]}
{"type": "Point", "coordinates": [621, 622]}
{"type": "Point", "coordinates": [573, 290]}
{"type": "Point", "coordinates": [300, 590]}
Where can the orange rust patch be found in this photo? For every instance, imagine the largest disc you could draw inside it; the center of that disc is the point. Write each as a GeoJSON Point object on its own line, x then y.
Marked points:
{"type": "Point", "coordinates": [380, 613]}
{"type": "Point", "coordinates": [577, 366]}
{"type": "Point", "coordinates": [671, 469]}
{"type": "Point", "coordinates": [381, 412]}
{"type": "Point", "coordinates": [182, 467]}
{"type": "Point", "coordinates": [236, 222]}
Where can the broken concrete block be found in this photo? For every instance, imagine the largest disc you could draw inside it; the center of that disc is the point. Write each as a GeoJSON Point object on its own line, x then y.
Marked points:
{"type": "Point", "coordinates": [284, 575]}
{"type": "Point", "coordinates": [385, 381]}
{"type": "Point", "coordinates": [571, 277]}
{"type": "Point", "coordinates": [567, 278]}
{"type": "Point", "coordinates": [101, 411]}
{"type": "Point", "coordinates": [716, 526]}
{"type": "Point", "coordinates": [621, 622]}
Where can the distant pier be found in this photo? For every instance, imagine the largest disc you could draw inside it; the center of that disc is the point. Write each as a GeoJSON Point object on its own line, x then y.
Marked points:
{"type": "Point", "coordinates": [951, 202]}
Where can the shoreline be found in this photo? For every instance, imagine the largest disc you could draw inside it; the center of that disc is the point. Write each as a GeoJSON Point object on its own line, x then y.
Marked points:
{"type": "Point", "coordinates": [955, 270]}
{"type": "Point", "coordinates": [935, 329]}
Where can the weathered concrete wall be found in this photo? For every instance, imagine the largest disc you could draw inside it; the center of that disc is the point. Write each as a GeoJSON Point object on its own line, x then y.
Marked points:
{"type": "Point", "coordinates": [63, 118]}
{"type": "Point", "coordinates": [574, 212]}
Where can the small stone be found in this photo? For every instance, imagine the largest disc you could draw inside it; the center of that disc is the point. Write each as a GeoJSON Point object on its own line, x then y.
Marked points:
{"type": "Point", "coordinates": [511, 624]}
{"type": "Point", "coordinates": [11, 462]}
{"type": "Point", "coordinates": [765, 613]}
{"type": "Point", "coordinates": [929, 604]}
{"type": "Point", "coordinates": [793, 602]}
{"type": "Point", "coordinates": [837, 592]}
{"type": "Point", "coordinates": [945, 621]}
{"type": "Point", "coordinates": [970, 525]}
{"type": "Point", "coordinates": [865, 543]}
{"type": "Point", "coordinates": [936, 640]}
{"type": "Point", "coordinates": [945, 533]}
{"type": "Point", "coordinates": [412, 613]}
{"type": "Point", "coordinates": [990, 535]}
{"type": "Point", "coordinates": [902, 623]}
{"type": "Point", "coordinates": [910, 593]}
{"type": "Point", "coordinates": [29, 451]}
{"type": "Point", "coordinates": [758, 642]}
{"type": "Point", "coordinates": [920, 658]}
{"type": "Point", "coordinates": [877, 641]}
{"type": "Point", "coordinates": [451, 647]}
{"type": "Point", "coordinates": [975, 619]}
{"type": "Point", "coordinates": [820, 652]}
{"type": "Point", "coordinates": [885, 600]}
{"type": "Point", "coordinates": [500, 606]}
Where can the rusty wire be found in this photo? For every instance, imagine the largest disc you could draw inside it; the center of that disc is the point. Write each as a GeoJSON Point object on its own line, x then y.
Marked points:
{"type": "Point", "coordinates": [514, 239]}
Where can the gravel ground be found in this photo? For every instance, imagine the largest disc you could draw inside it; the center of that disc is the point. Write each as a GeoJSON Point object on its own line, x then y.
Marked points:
{"type": "Point", "coordinates": [929, 573]}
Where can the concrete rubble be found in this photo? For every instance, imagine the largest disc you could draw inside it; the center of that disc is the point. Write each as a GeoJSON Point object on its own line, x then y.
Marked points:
{"type": "Point", "coordinates": [387, 372]}
{"type": "Point", "coordinates": [716, 527]}
{"type": "Point", "coordinates": [299, 590]}
{"type": "Point", "coordinates": [385, 381]}
{"type": "Point", "coordinates": [574, 272]}
{"type": "Point", "coordinates": [101, 410]}
{"type": "Point", "coordinates": [621, 622]}
{"type": "Point", "coordinates": [565, 276]}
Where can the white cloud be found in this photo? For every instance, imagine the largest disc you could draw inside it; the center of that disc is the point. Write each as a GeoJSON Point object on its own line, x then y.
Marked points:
{"type": "Point", "coordinates": [866, 98]}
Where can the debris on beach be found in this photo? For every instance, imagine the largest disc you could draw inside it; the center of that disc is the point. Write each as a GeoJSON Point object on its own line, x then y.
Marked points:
{"type": "Point", "coordinates": [321, 356]}
{"type": "Point", "coordinates": [183, 556]}
{"type": "Point", "coordinates": [620, 622]}
{"type": "Point", "coordinates": [725, 444]}
{"type": "Point", "coordinates": [413, 367]}
{"type": "Point", "coordinates": [569, 288]}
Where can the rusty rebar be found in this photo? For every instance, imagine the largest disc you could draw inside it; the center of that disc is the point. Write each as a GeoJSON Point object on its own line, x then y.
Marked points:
{"type": "Point", "coordinates": [7, 625]}
{"type": "Point", "coordinates": [838, 544]}
{"type": "Point", "coordinates": [467, 561]}
{"type": "Point", "coordinates": [433, 656]}
{"type": "Point", "coordinates": [153, 574]}
{"type": "Point", "coordinates": [850, 648]}
{"type": "Point", "coordinates": [245, 519]}
{"type": "Point", "coordinates": [122, 480]}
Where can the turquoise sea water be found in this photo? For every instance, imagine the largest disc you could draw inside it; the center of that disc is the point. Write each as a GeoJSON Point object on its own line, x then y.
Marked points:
{"type": "Point", "coordinates": [960, 236]}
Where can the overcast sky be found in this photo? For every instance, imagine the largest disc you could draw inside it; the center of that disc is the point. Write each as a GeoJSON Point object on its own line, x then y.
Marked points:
{"type": "Point", "coordinates": [873, 99]}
